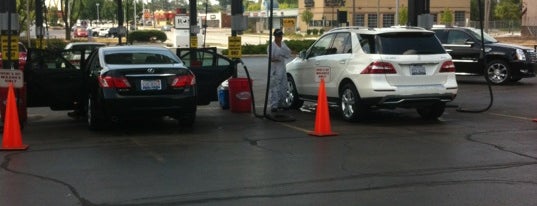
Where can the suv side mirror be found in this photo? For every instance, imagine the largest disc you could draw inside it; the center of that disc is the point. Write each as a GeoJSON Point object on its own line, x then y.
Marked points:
{"type": "Point", "coordinates": [469, 42]}
{"type": "Point", "coordinates": [302, 54]}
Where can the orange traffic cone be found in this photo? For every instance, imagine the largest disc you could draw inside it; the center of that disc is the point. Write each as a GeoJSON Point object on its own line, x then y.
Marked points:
{"type": "Point", "coordinates": [322, 117]}
{"type": "Point", "coordinates": [12, 138]}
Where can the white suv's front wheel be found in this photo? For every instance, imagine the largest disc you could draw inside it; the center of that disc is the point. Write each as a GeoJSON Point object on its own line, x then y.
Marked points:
{"type": "Point", "coordinates": [292, 101]}
{"type": "Point", "coordinates": [351, 106]}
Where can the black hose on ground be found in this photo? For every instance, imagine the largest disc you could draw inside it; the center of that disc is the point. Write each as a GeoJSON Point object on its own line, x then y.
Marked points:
{"type": "Point", "coordinates": [483, 56]}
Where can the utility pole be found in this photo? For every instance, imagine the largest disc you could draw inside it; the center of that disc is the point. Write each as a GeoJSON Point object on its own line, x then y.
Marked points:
{"type": "Point", "coordinates": [193, 24]}
{"type": "Point", "coordinates": [120, 19]}
{"type": "Point", "coordinates": [487, 16]}
{"type": "Point", "coordinates": [135, 24]}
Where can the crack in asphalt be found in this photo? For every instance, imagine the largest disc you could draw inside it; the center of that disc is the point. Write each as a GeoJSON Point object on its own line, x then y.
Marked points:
{"type": "Point", "coordinates": [311, 192]}
{"type": "Point", "coordinates": [5, 166]}
{"type": "Point", "coordinates": [471, 138]}
{"type": "Point", "coordinates": [158, 200]}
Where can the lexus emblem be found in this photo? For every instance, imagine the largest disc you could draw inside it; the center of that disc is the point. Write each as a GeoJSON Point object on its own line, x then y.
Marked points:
{"type": "Point", "coordinates": [151, 70]}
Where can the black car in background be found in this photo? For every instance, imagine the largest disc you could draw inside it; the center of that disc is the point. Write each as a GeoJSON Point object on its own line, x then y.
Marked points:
{"type": "Point", "coordinates": [505, 62]}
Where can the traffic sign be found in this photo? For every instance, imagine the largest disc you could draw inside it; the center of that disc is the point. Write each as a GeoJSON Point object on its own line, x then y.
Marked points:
{"type": "Point", "coordinates": [182, 22]}
{"type": "Point", "coordinates": [234, 47]}
{"type": "Point", "coordinates": [289, 23]}
{"type": "Point", "coordinates": [14, 47]}
{"type": "Point", "coordinates": [193, 42]}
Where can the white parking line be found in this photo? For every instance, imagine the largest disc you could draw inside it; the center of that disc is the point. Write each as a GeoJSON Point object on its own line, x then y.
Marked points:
{"type": "Point", "coordinates": [511, 116]}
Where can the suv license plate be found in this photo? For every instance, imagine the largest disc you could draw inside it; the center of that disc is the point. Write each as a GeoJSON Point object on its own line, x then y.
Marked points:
{"type": "Point", "coordinates": [417, 69]}
{"type": "Point", "coordinates": [151, 84]}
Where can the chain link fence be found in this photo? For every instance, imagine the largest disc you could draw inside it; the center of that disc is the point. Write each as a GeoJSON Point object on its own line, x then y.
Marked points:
{"type": "Point", "coordinates": [502, 28]}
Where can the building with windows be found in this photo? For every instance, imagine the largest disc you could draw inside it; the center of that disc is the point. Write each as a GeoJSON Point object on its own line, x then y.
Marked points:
{"type": "Point", "coordinates": [529, 18]}
{"type": "Point", "coordinates": [373, 13]}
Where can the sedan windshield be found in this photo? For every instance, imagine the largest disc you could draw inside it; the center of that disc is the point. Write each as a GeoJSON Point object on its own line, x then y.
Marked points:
{"type": "Point", "coordinates": [139, 58]}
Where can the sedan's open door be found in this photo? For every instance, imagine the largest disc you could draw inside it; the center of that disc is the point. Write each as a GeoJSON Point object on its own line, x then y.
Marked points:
{"type": "Point", "coordinates": [52, 80]}
{"type": "Point", "coordinates": [210, 68]}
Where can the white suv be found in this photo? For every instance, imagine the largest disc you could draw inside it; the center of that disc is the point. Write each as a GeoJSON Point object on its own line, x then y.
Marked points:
{"type": "Point", "coordinates": [372, 68]}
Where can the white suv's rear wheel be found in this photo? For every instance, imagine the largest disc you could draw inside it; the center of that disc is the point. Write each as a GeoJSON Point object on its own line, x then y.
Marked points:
{"type": "Point", "coordinates": [432, 112]}
{"type": "Point", "coordinates": [351, 106]}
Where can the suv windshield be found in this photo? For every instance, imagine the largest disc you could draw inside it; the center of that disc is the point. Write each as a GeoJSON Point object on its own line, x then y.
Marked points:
{"type": "Point", "coordinates": [477, 34]}
{"type": "Point", "coordinates": [409, 43]}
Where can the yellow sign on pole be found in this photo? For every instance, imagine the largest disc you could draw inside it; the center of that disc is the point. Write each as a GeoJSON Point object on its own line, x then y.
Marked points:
{"type": "Point", "coordinates": [289, 22]}
{"type": "Point", "coordinates": [41, 43]}
{"type": "Point", "coordinates": [14, 47]}
{"type": "Point", "coordinates": [193, 42]}
{"type": "Point", "coordinates": [234, 47]}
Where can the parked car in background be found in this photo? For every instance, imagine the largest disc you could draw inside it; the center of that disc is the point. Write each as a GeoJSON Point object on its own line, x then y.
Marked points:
{"type": "Point", "coordinates": [80, 32]}
{"type": "Point", "coordinates": [375, 68]}
{"type": "Point", "coordinates": [504, 62]}
{"type": "Point", "coordinates": [75, 50]}
{"type": "Point", "coordinates": [166, 28]}
{"type": "Point", "coordinates": [116, 31]}
{"type": "Point", "coordinates": [113, 32]}
{"type": "Point", "coordinates": [103, 32]}
{"type": "Point", "coordinates": [22, 57]}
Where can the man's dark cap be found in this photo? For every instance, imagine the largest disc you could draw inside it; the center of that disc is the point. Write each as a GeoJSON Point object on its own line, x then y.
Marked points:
{"type": "Point", "coordinates": [278, 32]}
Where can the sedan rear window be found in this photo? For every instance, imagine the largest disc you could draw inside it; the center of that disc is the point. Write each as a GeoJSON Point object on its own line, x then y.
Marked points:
{"type": "Point", "coordinates": [410, 43]}
{"type": "Point", "coordinates": [139, 58]}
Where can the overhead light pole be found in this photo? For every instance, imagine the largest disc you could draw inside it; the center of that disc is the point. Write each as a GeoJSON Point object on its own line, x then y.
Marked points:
{"type": "Point", "coordinates": [98, 19]}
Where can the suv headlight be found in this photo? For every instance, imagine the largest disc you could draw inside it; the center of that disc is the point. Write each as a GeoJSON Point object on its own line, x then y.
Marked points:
{"type": "Point", "coordinates": [520, 55]}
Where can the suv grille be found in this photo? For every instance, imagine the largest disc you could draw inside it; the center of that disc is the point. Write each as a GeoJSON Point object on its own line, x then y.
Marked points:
{"type": "Point", "coordinates": [532, 56]}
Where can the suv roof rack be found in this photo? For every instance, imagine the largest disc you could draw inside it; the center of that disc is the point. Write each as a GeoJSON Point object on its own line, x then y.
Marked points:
{"type": "Point", "coordinates": [352, 27]}
{"type": "Point", "coordinates": [407, 27]}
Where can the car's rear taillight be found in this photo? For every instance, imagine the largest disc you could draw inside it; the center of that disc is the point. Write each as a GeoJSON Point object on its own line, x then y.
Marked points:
{"type": "Point", "coordinates": [379, 68]}
{"type": "Point", "coordinates": [184, 80]}
{"type": "Point", "coordinates": [447, 66]}
{"type": "Point", "coordinates": [114, 82]}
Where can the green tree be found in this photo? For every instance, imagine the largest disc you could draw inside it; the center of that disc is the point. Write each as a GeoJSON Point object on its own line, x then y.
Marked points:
{"type": "Point", "coordinates": [224, 4]}
{"type": "Point", "coordinates": [23, 15]}
{"type": "Point", "coordinates": [306, 17]}
{"type": "Point", "coordinates": [507, 10]}
{"type": "Point", "coordinates": [403, 15]}
{"type": "Point", "coordinates": [253, 6]}
{"type": "Point", "coordinates": [474, 9]}
{"type": "Point", "coordinates": [70, 10]}
{"type": "Point", "coordinates": [446, 17]}
{"type": "Point", "coordinates": [52, 15]}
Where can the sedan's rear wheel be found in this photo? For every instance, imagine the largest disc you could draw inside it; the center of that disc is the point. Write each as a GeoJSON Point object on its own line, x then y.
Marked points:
{"type": "Point", "coordinates": [351, 106]}
{"type": "Point", "coordinates": [432, 112]}
{"type": "Point", "coordinates": [95, 116]}
{"type": "Point", "coordinates": [186, 118]}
